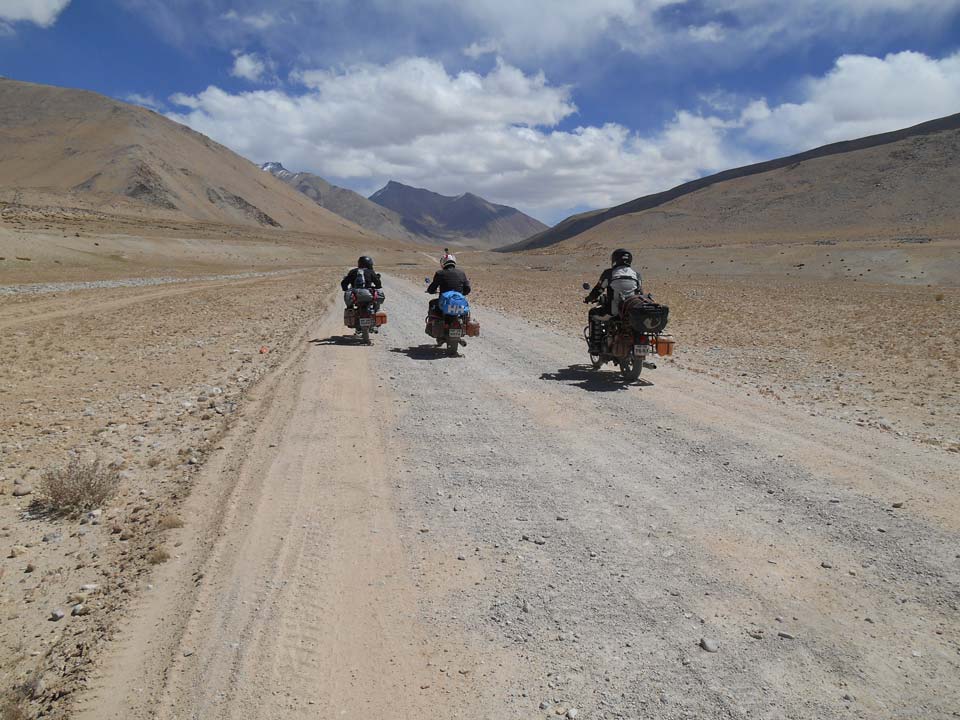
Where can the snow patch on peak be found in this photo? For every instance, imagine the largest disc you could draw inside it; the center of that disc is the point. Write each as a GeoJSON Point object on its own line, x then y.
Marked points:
{"type": "Point", "coordinates": [275, 168]}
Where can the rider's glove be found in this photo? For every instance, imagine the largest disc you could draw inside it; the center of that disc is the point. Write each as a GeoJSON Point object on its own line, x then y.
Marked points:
{"type": "Point", "coordinates": [586, 300]}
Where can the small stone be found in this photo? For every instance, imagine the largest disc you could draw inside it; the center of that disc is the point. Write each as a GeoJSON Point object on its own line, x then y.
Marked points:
{"type": "Point", "coordinates": [53, 537]}
{"type": "Point", "coordinates": [79, 610]}
{"type": "Point", "coordinates": [125, 535]}
{"type": "Point", "coordinates": [424, 529]}
{"type": "Point", "coordinates": [544, 705]}
{"type": "Point", "coordinates": [898, 505]}
{"type": "Point", "coordinates": [826, 564]}
{"type": "Point", "coordinates": [461, 557]}
{"type": "Point", "coordinates": [57, 614]}
{"type": "Point", "coordinates": [21, 490]}
{"type": "Point", "coordinates": [525, 607]}
{"type": "Point", "coordinates": [29, 568]}
{"type": "Point", "coordinates": [786, 635]}
{"type": "Point", "coordinates": [560, 710]}
{"type": "Point", "coordinates": [17, 551]}
{"type": "Point", "coordinates": [89, 588]}
{"type": "Point", "coordinates": [572, 713]}
{"type": "Point", "coordinates": [187, 653]}
{"type": "Point", "coordinates": [709, 645]}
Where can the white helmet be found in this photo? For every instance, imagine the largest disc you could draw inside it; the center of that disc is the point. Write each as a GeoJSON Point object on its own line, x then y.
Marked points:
{"type": "Point", "coordinates": [449, 261]}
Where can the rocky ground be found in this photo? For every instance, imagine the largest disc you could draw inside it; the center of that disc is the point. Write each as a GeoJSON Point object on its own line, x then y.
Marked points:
{"type": "Point", "coordinates": [394, 533]}
{"type": "Point", "coordinates": [785, 546]}
{"type": "Point", "coordinates": [147, 379]}
{"type": "Point", "coordinates": [870, 354]}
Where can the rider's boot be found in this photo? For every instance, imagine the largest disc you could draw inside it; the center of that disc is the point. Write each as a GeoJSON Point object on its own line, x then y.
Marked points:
{"type": "Point", "coordinates": [596, 337]}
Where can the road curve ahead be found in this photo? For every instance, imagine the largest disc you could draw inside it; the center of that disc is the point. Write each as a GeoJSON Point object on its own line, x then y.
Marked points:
{"type": "Point", "coordinates": [391, 533]}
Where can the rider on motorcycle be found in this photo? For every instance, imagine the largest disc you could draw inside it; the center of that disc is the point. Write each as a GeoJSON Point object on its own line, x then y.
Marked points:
{"type": "Point", "coordinates": [616, 283]}
{"type": "Point", "coordinates": [362, 276]}
{"type": "Point", "coordinates": [449, 278]}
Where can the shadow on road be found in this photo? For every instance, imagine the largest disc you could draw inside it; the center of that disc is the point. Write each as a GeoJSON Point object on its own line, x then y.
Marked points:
{"type": "Point", "coordinates": [425, 352]}
{"type": "Point", "coordinates": [586, 378]}
{"type": "Point", "coordinates": [339, 340]}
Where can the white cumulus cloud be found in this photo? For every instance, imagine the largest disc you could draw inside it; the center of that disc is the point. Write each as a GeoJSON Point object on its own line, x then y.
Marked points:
{"type": "Point", "coordinates": [257, 21]}
{"type": "Point", "coordinates": [248, 66]}
{"type": "Point", "coordinates": [39, 12]}
{"type": "Point", "coordinates": [505, 136]}
{"type": "Point", "coordinates": [860, 96]}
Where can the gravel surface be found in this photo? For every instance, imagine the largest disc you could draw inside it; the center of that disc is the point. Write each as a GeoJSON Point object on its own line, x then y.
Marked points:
{"type": "Point", "coordinates": [511, 534]}
{"type": "Point", "coordinates": [43, 288]}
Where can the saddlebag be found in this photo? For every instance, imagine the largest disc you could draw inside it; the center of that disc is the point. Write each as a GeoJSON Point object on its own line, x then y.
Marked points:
{"type": "Point", "coordinates": [473, 328]}
{"type": "Point", "coordinates": [381, 318]}
{"type": "Point", "coordinates": [621, 345]}
{"type": "Point", "coordinates": [350, 317]}
{"type": "Point", "coordinates": [644, 315]}
{"type": "Point", "coordinates": [357, 297]}
{"type": "Point", "coordinates": [453, 303]}
{"type": "Point", "coordinates": [664, 346]}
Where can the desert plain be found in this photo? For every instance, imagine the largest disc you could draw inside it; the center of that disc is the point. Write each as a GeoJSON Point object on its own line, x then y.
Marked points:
{"type": "Point", "coordinates": [764, 526]}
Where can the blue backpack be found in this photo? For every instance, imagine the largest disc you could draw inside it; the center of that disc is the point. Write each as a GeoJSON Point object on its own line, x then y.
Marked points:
{"type": "Point", "coordinates": [453, 303]}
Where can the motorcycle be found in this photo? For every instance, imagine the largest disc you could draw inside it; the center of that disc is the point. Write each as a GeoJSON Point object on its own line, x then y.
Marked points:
{"type": "Point", "coordinates": [631, 336]}
{"type": "Point", "coordinates": [363, 314]}
{"type": "Point", "coordinates": [449, 328]}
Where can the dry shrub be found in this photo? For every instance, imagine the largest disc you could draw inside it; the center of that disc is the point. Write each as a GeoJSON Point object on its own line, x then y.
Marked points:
{"type": "Point", "coordinates": [12, 709]}
{"type": "Point", "coordinates": [78, 487]}
{"type": "Point", "coordinates": [170, 522]}
{"type": "Point", "coordinates": [158, 555]}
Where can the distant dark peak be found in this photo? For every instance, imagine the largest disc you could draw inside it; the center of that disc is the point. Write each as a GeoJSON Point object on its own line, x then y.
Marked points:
{"type": "Point", "coordinates": [465, 217]}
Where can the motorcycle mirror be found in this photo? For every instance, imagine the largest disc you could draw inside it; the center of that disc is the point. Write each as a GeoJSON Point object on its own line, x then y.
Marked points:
{"type": "Point", "coordinates": [427, 280]}
{"type": "Point", "coordinates": [586, 286]}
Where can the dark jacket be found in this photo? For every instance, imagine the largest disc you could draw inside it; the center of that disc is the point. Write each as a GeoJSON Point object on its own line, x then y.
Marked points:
{"type": "Point", "coordinates": [370, 279]}
{"type": "Point", "coordinates": [450, 279]}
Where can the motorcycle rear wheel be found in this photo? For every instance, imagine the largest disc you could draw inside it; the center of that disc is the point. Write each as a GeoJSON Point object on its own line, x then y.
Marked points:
{"type": "Point", "coordinates": [630, 367]}
{"type": "Point", "coordinates": [453, 347]}
{"type": "Point", "coordinates": [365, 335]}
{"type": "Point", "coordinates": [596, 362]}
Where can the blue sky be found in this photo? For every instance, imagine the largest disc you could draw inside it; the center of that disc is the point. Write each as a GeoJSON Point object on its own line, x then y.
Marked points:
{"type": "Point", "coordinates": [549, 105]}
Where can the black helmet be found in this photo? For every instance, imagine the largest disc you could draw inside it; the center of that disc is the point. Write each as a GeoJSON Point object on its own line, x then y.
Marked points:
{"type": "Point", "coordinates": [365, 261]}
{"type": "Point", "coordinates": [621, 257]}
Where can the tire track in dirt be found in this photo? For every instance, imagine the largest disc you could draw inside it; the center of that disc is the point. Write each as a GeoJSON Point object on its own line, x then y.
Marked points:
{"type": "Point", "coordinates": [475, 536]}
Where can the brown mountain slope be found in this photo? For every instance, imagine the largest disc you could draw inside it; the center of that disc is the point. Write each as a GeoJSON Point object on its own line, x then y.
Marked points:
{"type": "Point", "coordinates": [87, 150]}
{"type": "Point", "coordinates": [898, 184]}
{"type": "Point", "coordinates": [465, 219]}
{"type": "Point", "coordinates": [346, 203]}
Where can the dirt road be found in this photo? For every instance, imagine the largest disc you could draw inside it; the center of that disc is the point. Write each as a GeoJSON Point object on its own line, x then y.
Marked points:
{"type": "Point", "coordinates": [391, 533]}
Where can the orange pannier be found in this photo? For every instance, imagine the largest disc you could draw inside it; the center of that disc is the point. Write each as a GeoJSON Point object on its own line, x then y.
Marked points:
{"type": "Point", "coordinates": [381, 318]}
{"type": "Point", "coordinates": [665, 346]}
{"type": "Point", "coordinates": [473, 328]}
